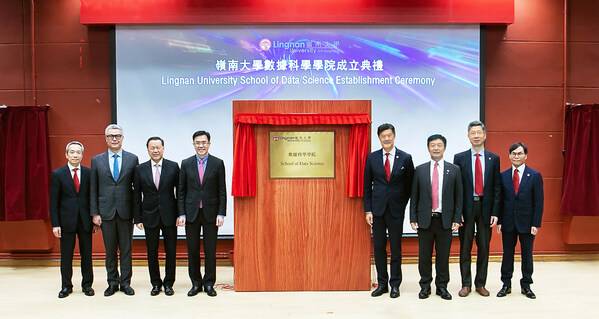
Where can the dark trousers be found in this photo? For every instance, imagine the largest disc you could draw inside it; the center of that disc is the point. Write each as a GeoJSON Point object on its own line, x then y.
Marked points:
{"type": "Point", "coordinates": [380, 227]}
{"type": "Point", "coordinates": [67, 248]}
{"type": "Point", "coordinates": [169, 235]}
{"type": "Point", "coordinates": [440, 238]}
{"type": "Point", "coordinates": [117, 234]}
{"type": "Point", "coordinates": [483, 240]}
{"type": "Point", "coordinates": [193, 231]}
{"type": "Point", "coordinates": [509, 240]}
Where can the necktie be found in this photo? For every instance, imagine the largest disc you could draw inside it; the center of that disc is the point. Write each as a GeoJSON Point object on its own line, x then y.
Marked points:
{"type": "Point", "coordinates": [387, 168]}
{"type": "Point", "coordinates": [478, 176]}
{"type": "Point", "coordinates": [157, 175]}
{"type": "Point", "coordinates": [516, 181]}
{"type": "Point", "coordinates": [201, 170]}
{"type": "Point", "coordinates": [115, 167]}
{"type": "Point", "coordinates": [76, 179]}
{"type": "Point", "coordinates": [435, 184]}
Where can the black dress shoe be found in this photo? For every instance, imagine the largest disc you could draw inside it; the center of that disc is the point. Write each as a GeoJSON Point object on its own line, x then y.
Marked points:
{"type": "Point", "coordinates": [394, 292]}
{"type": "Point", "coordinates": [194, 291]}
{"type": "Point", "coordinates": [168, 290]}
{"type": "Point", "coordinates": [111, 290]}
{"type": "Point", "coordinates": [379, 291]}
{"type": "Point", "coordinates": [210, 291]}
{"type": "Point", "coordinates": [128, 290]}
{"type": "Point", "coordinates": [65, 292]}
{"type": "Point", "coordinates": [443, 293]}
{"type": "Point", "coordinates": [155, 291]}
{"type": "Point", "coordinates": [504, 291]}
{"type": "Point", "coordinates": [424, 293]}
{"type": "Point", "coordinates": [89, 291]}
{"type": "Point", "coordinates": [528, 293]}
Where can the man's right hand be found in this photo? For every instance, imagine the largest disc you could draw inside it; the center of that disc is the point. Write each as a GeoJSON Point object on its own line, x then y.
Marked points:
{"type": "Point", "coordinates": [57, 232]}
{"type": "Point", "coordinates": [414, 226]}
{"type": "Point", "coordinates": [181, 221]}
{"type": "Point", "coordinates": [499, 228]}
{"type": "Point", "coordinates": [369, 218]}
{"type": "Point", "coordinates": [97, 220]}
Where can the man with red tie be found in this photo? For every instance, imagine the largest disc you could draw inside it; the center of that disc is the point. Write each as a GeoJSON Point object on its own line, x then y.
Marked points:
{"type": "Point", "coordinates": [69, 211]}
{"type": "Point", "coordinates": [520, 218]}
{"type": "Point", "coordinates": [387, 185]}
{"type": "Point", "coordinates": [481, 182]}
{"type": "Point", "coordinates": [435, 211]}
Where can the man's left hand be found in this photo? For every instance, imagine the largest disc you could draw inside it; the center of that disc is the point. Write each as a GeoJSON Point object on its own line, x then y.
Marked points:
{"type": "Point", "coordinates": [220, 220]}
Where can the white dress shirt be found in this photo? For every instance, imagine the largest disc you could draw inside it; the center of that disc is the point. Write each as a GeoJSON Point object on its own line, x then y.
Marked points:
{"type": "Point", "coordinates": [482, 163]}
{"type": "Point", "coordinates": [391, 158]}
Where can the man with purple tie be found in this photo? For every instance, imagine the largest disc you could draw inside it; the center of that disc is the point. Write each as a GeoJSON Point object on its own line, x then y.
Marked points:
{"type": "Point", "coordinates": [520, 218]}
{"type": "Point", "coordinates": [202, 204]}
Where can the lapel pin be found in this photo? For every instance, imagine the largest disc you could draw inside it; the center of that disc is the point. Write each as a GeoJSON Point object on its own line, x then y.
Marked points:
{"type": "Point", "coordinates": [489, 158]}
{"type": "Point", "coordinates": [396, 156]}
{"type": "Point", "coordinates": [402, 167]}
{"type": "Point", "coordinates": [528, 174]}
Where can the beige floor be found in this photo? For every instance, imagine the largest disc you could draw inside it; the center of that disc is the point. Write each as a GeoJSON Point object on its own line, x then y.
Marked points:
{"type": "Point", "coordinates": [564, 290]}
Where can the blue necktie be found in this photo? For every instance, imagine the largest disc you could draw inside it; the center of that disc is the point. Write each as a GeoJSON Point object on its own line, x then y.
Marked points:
{"type": "Point", "coordinates": [115, 167]}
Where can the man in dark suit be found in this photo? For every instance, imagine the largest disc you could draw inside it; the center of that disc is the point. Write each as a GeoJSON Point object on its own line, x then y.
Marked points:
{"type": "Point", "coordinates": [155, 185]}
{"type": "Point", "coordinates": [202, 199]}
{"type": "Point", "coordinates": [520, 218]}
{"type": "Point", "coordinates": [481, 182]}
{"type": "Point", "coordinates": [387, 186]}
{"type": "Point", "coordinates": [435, 211]}
{"type": "Point", "coordinates": [111, 207]}
{"type": "Point", "coordinates": [69, 211]}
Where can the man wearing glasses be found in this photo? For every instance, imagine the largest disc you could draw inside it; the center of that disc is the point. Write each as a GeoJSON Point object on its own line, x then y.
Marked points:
{"type": "Point", "coordinates": [111, 207]}
{"type": "Point", "coordinates": [519, 218]}
{"type": "Point", "coordinates": [202, 203]}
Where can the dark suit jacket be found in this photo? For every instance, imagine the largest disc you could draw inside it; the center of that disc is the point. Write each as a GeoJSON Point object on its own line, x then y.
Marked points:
{"type": "Point", "coordinates": [153, 205]}
{"type": "Point", "coordinates": [491, 187]}
{"type": "Point", "coordinates": [523, 210]}
{"type": "Point", "coordinates": [108, 197]}
{"type": "Point", "coordinates": [421, 205]}
{"type": "Point", "coordinates": [378, 193]}
{"type": "Point", "coordinates": [66, 204]}
{"type": "Point", "coordinates": [212, 193]}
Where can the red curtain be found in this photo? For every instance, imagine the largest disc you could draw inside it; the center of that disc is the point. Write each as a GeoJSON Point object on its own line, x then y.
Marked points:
{"type": "Point", "coordinates": [244, 151]}
{"type": "Point", "coordinates": [24, 163]}
{"type": "Point", "coordinates": [580, 195]}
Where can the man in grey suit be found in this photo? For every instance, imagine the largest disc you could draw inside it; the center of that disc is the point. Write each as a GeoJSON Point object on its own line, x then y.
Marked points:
{"type": "Point", "coordinates": [435, 211]}
{"type": "Point", "coordinates": [111, 207]}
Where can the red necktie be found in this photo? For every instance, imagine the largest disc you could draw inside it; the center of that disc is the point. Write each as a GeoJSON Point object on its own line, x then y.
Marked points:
{"type": "Point", "coordinates": [76, 179]}
{"type": "Point", "coordinates": [478, 176]}
{"type": "Point", "coordinates": [387, 168]}
{"type": "Point", "coordinates": [516, 181]}
{"type": "Point", "coordinates": [435, 184]}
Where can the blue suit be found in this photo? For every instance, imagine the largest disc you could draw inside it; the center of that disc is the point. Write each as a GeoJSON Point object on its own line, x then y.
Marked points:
{"type": "Point", "coordinates": [519, 213]}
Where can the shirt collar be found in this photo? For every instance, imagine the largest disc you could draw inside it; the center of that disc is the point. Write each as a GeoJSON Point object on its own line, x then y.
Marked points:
{"type": "Point", "coordinates": [440, 162]}
{"type": "Point", "coordinates": [159, 163]}
{"type": "Point", "coordinates": [473, 152]}
{"type": "Point", "coordinates": [520, 168]}
{"type": "Point", "coordinates": [71, 166]}
{"type": "Point", "coordinates": [119, 153]}
{"type": "Point", "coordinates": [391, 154]}
{"type": "Point", "coordinates": [202, 159]}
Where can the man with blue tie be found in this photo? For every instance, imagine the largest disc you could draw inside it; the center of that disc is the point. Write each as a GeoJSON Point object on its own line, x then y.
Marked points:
{"type": "Point", "coordinates": [387, 185]}
{"type": "Point", "coordinates": [111, 207]}
{"type": "Point", "coordinates": [520, 218]}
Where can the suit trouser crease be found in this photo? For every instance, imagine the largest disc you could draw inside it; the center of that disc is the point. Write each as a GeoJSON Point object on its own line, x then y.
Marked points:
{"type": "Point", "coordinates": [509, 240]}
{"type": "Point", "coordinates": [394, 226]}
{"type": "Point", "coordinates": [439, 238]}
{"type": "Point", "coordinates": [483, 239]}
{"type": "Point", "coordinates": [210, 232]}
{"type": "Point", "coordinates": [117, 234]}
{"type": "Point", "coordinates": [169, 234]}
{"type": "Point", "coordinates": [67, 248]}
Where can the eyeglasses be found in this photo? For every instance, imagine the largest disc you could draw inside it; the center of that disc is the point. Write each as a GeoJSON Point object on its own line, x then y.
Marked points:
{"type": "Point", "coordinates": [201, 143]}
{"type": "Point", "coordinates": [114, 136]}
{"type": "Point", "coordinates": [517, 154]}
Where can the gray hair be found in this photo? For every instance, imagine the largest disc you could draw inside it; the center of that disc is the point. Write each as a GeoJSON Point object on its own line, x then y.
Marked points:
{"type": "Point", "coordinates": [477, 123]}
{"type": "Point", "coordinates": [113, 127]}
{"type": "Point", "coordinates": [66, 150]}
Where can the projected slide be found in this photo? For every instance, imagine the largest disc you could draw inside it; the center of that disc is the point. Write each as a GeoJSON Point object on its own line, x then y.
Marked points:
{"type": "Point", "coordinates": [172, 81]}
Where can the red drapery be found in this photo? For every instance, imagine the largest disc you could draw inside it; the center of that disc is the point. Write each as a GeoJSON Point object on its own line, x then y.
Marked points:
{"type": "Point", "coordinates": [244, 151]}
{"type": "Point", "coordinates": [581, 172]}
{"type": "Point", "coordinates": [24, 163]}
